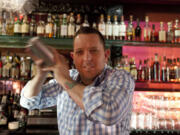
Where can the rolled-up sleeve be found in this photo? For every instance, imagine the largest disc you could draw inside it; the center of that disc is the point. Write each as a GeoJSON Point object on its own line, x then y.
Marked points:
{"type": "Point", "coordinates": [110, 101]}
{"type": "Point", "coordinates": [46, 98]}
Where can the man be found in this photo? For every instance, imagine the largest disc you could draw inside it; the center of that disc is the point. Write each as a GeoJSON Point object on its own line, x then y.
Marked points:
{"type": "Point", "coordinates": [94, 99]}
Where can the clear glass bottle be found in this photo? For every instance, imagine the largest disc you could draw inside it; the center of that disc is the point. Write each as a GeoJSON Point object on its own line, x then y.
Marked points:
{"type": "Point", "coordinates": [78, 22]}
{"type": "Point", "coordinates": [130, 29]}
{"type": "Point", "coordinates": [108, 28]}
{"type": "Point", "coordinates": [64, 26]}
{"type": "Point", "coordinates": [164, 70]}
{"type": "Point", "coordinates": [176, 31]}
{"type": "Point", "coordinates": [25, 26]}
{"type": "Point", "coordinates": [0, 24]}
{"type": "Point", "coordinates": [101, 25]}
{"type": "Point", "coordinates": [41, 29]}
{"type": "Point", "coordinates": [15, 69]}
{"type": "Point", "coordinates": [86, 22]}
{"type": "Point", "coordinates": [122, 29]}
{"type": "Point", "coordinates": [4, 23]}
{"type": "Point", "coordinates": [138, 31]}
{"type": "Point", "coordinates": [49, 27]}
{"type": "Point", "coordinates": [56, 27]}
{"type": "Point", "coordinates": [33, 26]}
{"type": "Point", "coordinates": [156, 68]}
{"type": "Point", "coordinates": [147, 30]}
{"type": "Point", "coordinates": [71, 26]}
{"type": "Point", "coordinates": [162, 33]}
{"type": "Point", "coordinates": [170, 33]}
{"type": "Point", "coordinates": [115, 27]}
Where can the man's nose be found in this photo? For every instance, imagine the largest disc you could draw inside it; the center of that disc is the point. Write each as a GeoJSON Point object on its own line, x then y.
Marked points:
{"type": "Point", "coordinates": [87, 55]}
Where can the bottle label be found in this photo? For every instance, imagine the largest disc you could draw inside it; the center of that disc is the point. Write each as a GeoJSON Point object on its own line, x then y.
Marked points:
{"type": "Point", "coordinates": [177, 33]}
{"type": "Point", "coordinates": [25, 28]}
{"type": "Point", "coordinates": [102, 28]}
{"type": "Point", "coordinates": [115, 30]}
{"type": "Point", "coordinates": [108, 29]}
{"type": "Point", "coordinates": [77, 27]}
{"type": "Point", "coordinates": [40, 30]}
{"type": "Point", "coordinates": [122, 30]}
{"type": "Point", "coordinates": [48, 28]}
{"type": "Point", "coordinates": [162, 36]}
{"type": "Point", "coordinates": [17, 28]}
{"type": "Point", "coordinates": [63, 30]}
{"type": "Point", "coordinates": [71, 30]}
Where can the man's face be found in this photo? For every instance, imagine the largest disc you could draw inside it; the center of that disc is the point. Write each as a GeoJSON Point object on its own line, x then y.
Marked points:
{"type": "Point", "coordinates": [89, 56]}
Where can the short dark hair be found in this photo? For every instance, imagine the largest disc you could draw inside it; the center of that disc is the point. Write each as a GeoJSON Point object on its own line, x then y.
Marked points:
{"type": "Point", "coordinates": [90, 30]}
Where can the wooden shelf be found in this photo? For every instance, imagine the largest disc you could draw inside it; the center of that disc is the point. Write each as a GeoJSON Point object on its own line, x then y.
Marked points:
{"type": "Point", "coordinates": [67, 43]}
{"type": "Point", "coordinates": [158, 86]}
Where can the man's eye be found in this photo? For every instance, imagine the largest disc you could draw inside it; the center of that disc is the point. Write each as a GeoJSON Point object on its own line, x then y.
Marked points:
{"type": "Point", "coordinates": [79, 52]}
{"type": "Point", "coordinates": [93, 51]}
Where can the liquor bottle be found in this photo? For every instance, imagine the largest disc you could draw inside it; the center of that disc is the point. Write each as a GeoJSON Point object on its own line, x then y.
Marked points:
{"type": "Point", "coordinates": [33, 27]}
{"type": "Point", "coordinates": [164, 70]}
{"type": "Point", "coordinates": [64, 26]}
{"type": "Point", "coordinates": [15, 69]}
{"type": "Point", "coordinates": [171, 71]}
{"type": "Point", "coordinates": [115, 29]}
{"type": "Point", "coordinates": [101, 25]}
{"type": "Point", "coordinates": [10, 25]}
{"type": "Point", "coordinates": [147, 30]}
{"type": "Point", "coordinates": [138, 31]}
{"type": "Point", "coordinates": [122, 29]}
{"type": "Point", "coordinates": [176, 76]}
{"type": "Point", "coordinates": [145, 71]}
{"type": "Point", "coordinates": [15, 108]}
{"type": "Point", "coordinates": [156, 68]}
{"type": "Point", "coordinates": [49, 27]}
{"type": "Point", "coordinates": [140, 72]}
{"type": "Point", "coordinates": [4, 23]}
{"type": "Point", "coordinates": [162, 33]}
{"type": "Point", "coordinates": [56, 27]}
{"type": "Point", "coordinates": [126, 64]}
{"type": "Point", "coordinates": [130, 29]}
{"type": "Point", "coordinates": [149, 70]}
{"type": "Point", "coordinates": [1, 66]}
{"type": "Point", "coordinates": [169, 34]}
{"type": "Point", "coordinates": [22, 68]}
{"type": "Point", "coordinates": [41, 29]}
{"type": "Point", "coordinates": [154, 34]}
{"type": "Point", "coordinates": [85, 23]}
{"type": "Point", "coordinates": [108, 28]}
{"type": "Point", "coordinates": [176, 31]}
{"type": "Point", "coordinates": [25, 67]}
{"type": "Point", "coordinates": [25, 26]}
{"type": "Point", "coordinates": [168, 70]}
{"type": "Point", "coordinates": [178, 65]}
{"type": "Point", "coordinates": [71, 26]}
{"type": "Point", "coordinates": [7, 66]}
{"type": "Point", "coordinates": [0, 25]}
{"type": "Point", "coordinates": [17, 27]}
{"type": "Point", "coordinates": [94, 25]}
{"type": "Point", "coordinates": [78, 22]}
{"type": "Point", "coordinates": [3, 111]}
{"type": "Point", "coordinates": [133, 68]}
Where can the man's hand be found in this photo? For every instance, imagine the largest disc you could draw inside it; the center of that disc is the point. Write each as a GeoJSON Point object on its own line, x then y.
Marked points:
{"type": "Point", "coordinates": [60, 68]}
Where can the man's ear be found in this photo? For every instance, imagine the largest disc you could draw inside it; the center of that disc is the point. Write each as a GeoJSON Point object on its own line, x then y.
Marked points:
{"type": "Point", "coordinates": [107, 54]}
{"type": "Point", "coordinates": [72, 55]}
